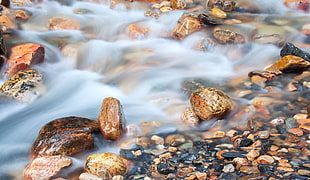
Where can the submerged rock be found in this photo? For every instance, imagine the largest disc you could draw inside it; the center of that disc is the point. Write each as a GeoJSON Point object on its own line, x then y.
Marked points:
{"type": "Point", "coordinates": [111, 120]}
{"type": "Point", "coordinates": [210, 103]}
{"type": "Point", "coordinates": [24, 86]}
{"type": "Point", "coordinates": [106, 165]}
{"type": "Point", "coordinates": [23, 57]}
{"type": "Point", "coordinates": [65, 136]}
{"type": "Point", "coordinates": [59, 23]}
{"type": "Point", "coordinates": [45, 167]}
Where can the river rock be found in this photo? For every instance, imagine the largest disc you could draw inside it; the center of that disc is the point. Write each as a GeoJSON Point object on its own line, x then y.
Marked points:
{"type": "Point", "coordinates": [89, 176]}
{"type": "Point", "coordinates": [233, 33]}
{"type": "Point", "coordinates": [291, 49]}
{"type": "Point", "coordinates": [225, 5]}
{"type": "Point", "coordinates": [6, 23]}
{"type": "Point", "coordinates": [65, 136]}
{"type": "Point", "coordinates": [43, 168]}
{"type": "Point", "coordinates": [106, 165]}
{"type": "Point", "coordinates": [23, 57]}
{"type": "Point", "coordinates": [190, 118]}
{"type": "Point", "coordinates": [111, 120]}
{"type": "Point", "coordinates": [25, 86]}
{"type": "Point", "coordinates": [210, 103]}
{"type": "Point", "coordinates": [178, 4]}
{"type": "Point", "coordinates": [185, 27]}
{"type": "Point", "coordinates": [207, 18]}
{"type": "Point", "coordinates": [60, 23]}
{"type": "Point", "coordinates": [289, 64]}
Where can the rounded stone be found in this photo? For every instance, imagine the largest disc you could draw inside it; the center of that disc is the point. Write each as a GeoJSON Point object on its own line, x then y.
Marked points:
{"type": "Point", "coordinates": [210, 103]}
{"type": "Point", "coordinates": [105, 164]}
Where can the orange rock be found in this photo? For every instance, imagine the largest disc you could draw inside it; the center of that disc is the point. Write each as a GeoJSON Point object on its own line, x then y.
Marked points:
{"type": "Point", "coordinates": [289, 63]}
{"type": "Point", "coordinates": [249, 169]}
{"type": "Point", "coordinates": [21, 14]}
{"type": "Point", "coordinates": [296, 131]}
{"type": "Point", "coordinates": [190, 118]}
{"type": "Point", "coordinates": [185, 27]}
{"type": "Point", "coordinates": [303, 121]}
{"type": "Point", "coordinates": [137, 32]}
{"type": "Point", "coordinates": [178, 4]}
{"type": "Point", "coordinates": [59, 23]}
{"type": "Point", "coordinates": [218, 13]}
{"type": "Point", "coordinates": [265, 159]}
{"type": "Point", "coordinates": [111, 122]}
{"type": "Point", "coordinates": [23, 57]}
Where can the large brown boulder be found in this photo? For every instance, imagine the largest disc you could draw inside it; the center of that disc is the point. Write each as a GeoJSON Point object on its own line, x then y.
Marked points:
{"type": "Point", "coordinates": [65, 136]}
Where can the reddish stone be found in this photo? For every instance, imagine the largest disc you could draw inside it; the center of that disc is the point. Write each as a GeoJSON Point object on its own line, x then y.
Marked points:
{"type": "Point", "coordinates": [111, 122]}
{"type": "Point", "coordinates": [296, 131]}
{"type": "Point", "coordinates": [23, 57]}
{"type": "Point", "coordinates": [45, 167]}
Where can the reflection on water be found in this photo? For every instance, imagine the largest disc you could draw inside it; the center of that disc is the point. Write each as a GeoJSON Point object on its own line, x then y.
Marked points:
{"type": "Point", "coordinates": [144, 74]}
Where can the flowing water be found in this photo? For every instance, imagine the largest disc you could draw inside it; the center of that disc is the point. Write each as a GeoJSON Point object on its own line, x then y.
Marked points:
{"type": "Point", "coordinates": [144, 73]}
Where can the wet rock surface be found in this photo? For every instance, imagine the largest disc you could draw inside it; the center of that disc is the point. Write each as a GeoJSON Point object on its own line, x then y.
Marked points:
{"type": "Point", "coordinates": [111, 119]}
{"type": "Point", "coordinates": [65, 136]}
{"type": "Point", "coordinates": [209, 103]}
{"type": "Point", "coordinates": [45, 167]}
{"type": "Point", "coordinates": [25, 86]}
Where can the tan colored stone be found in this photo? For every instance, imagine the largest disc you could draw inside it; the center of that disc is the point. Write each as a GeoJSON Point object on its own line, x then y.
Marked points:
{"type": "Point", "coordinates": [231, 133]}
{"type": "Point", "coordinates": [289, 63]}
{"type": "Point", "coordinates": [185, 27]}
{"type": "Point", "coordinates": [190, 118]}
{"type": "Point", "coordinates": [265, 159]}
{"type": "Point", "coordinates": [303, 121]}
{"type": "Point", "coordinates": [175, 139]}
{"type": "Point", "coordinates": [303, 172]}
{"type": "Point", "coordinates": [137, 31]}
{"type": "Point", "coordinates": [252, 154]}
{"type": "Point", "coordinates": [201, 176]}
{"type": "Point", "coordinates": [287, 169]}
{"type": "Point", "coordinates": [178, 4]}
{"type": "Point", "coordinates": [111, 121]}
{"type": "Point", "coordinates": [218, 134]}
{"type": "Point", "coordinates": [249, 169]}
{"type": "Point", "coordinates": [60, 23]}
{"type": "Point", "coordinates": [225, 5]}
{"type": "Point", "coordinates": [210, 103]}
{"type": "Point", "coordinates": [229, 168]}
{"type": "Point", "coordinates": [274, 148]}
{"type": "Point", "coordinates": [157, 139]}
{"type": "Point", "coordinates": [25, 86]}
{"type": "Point", "coordinates": [218, 13]}
{"type": "Point", "coordinates": [6, 23]}
{"type": "Point", "coordinates": [296, 131]}
{"type": "Point", "coordinates": [21, 15]}
{"type": "Point", "coordinates": [240, 162]}
{"type": "Point", "coordinates": [45, 167]}
{"type": "Point", "coordinates": [103, 164]}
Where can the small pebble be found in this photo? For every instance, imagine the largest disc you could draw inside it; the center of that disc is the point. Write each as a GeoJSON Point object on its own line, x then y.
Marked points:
{"type": "Point", "coordinates": [296, 131]}
{"type": "Point", "coordinates": [265, 159]}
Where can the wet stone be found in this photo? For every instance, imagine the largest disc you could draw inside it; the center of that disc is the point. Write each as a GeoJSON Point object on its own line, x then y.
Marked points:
{"type": "Point", "coordinates": [229, 168]}
{"type": "Point", "coordinates": [45, 167]}
{"type": "Point", "coordinates": [246, 142]}
{"type": "Point", "coordinates": [210, 103]}
{"type": "Point", "coordinates": [185, 27]}
{"type": "Point", "coordinates": [249, 169]}
{"type": "Point", "coordinates": [265, 159]}
{"type": "Point", "coordinates": [304, 172]}
{"type": "Point", "coordinates": [289, 64]}
{"type": "Point", "coordinates": [106, 164]}
{"type": "Point", "coordinates": [60, 23]}
{"type": "Point", "coordinates": [110, 118]}
{"type": "Point", "coordinates": [225, 5]}
{"type": "Point", "coordinates": [231, 155]}
{"type": "Point", "coordinates": [296, 131]}
{"type": "Point", "coordinates": [25, 86]}
{"type": "Point", "coordinates": [65, 136]}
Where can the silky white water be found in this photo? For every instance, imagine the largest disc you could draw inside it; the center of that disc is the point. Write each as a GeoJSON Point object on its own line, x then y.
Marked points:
{"type": "Point", "coordinates": [145, 74]}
